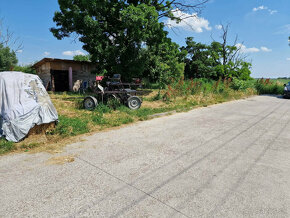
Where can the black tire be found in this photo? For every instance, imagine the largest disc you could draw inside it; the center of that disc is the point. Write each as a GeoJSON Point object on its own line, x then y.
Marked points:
{"type": "Point", "coordinates": [134, 102]}
{"type": "Point", "coordinates": [90, 103]}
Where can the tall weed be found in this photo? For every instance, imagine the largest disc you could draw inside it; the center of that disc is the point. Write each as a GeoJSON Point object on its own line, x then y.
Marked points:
{"type": "Point", "coordinates": [268, 87]}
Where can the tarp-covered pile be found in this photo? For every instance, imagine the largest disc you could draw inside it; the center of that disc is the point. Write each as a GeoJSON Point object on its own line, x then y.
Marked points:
{"type": "Point", "coordinates": [24, 103]}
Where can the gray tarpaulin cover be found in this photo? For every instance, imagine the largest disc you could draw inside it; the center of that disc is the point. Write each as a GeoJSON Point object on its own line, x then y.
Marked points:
{"type": "Point", "coordinates": [24, 103]}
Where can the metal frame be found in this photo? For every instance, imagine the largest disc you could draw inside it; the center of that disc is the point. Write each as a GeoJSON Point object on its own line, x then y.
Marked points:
{"type": "Point", "coordinates": [115, 89]}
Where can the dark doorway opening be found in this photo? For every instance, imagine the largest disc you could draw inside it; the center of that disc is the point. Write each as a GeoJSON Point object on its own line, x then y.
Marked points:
{"type": "Point", "coordinates": [60, 78]}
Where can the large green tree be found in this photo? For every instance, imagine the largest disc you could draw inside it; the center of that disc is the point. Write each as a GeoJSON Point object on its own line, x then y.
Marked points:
{"type": "Point", "coordinates": [199, 61]}
{"type": "Point", "coordinates": [214, 61]}
{"type": "Point", "coordinates": [164, 62]}
{"type": "Point", "coordinates": [116, 32]}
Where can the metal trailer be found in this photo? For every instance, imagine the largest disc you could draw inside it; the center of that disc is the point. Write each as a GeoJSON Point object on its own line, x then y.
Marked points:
{"type": "Point", "coordinates": [115, 90]}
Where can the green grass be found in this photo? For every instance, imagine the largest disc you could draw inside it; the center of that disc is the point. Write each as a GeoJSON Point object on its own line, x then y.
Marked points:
{"type": "Point", "coordinates": [6, 146]}
{"type": "Point", "coordinates": [28, 147]}
{"type": "Point", "coordinates": [120, 120]}
{"type": "Point", "coordinates": [71, 126]}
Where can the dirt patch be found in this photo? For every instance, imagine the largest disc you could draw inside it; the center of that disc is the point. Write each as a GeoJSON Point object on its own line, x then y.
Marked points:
{"type": "Point", "coordinates": [153, 104]}
{"type": "Point", "coordinates": [36, 137]}
{"type": "Point", "coordinates": [151, 94]}
{"type": "Point", "coordinates": [38, 133]}
{"type": "Point", "coordinates": [60, 160]}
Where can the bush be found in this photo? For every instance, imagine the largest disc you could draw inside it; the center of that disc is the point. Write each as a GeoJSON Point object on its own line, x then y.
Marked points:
{"type": "Point", "coordinates": [241, 84]}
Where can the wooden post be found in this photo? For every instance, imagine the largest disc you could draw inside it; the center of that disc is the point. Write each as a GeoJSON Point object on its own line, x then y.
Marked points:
{"type": "Point", "coordinates": [52, 84]}
{"type": "Point", "coordinates": [70, 78]}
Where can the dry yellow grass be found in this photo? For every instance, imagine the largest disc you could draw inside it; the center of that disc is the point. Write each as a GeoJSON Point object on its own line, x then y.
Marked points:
{"type": "Point", "coordinates": [153, 104]}
{"type": "Point", "coordinates": [60, 160]}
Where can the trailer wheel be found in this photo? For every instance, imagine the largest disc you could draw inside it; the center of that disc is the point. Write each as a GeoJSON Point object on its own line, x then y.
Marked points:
{"type": "Point", "coordinates": [90, 103]}
{"type": "Point", "coordinates": [134, 102]}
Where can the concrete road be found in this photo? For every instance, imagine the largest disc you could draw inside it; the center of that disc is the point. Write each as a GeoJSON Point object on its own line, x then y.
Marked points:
{"type": "Point", "coordinates": [227, 160]}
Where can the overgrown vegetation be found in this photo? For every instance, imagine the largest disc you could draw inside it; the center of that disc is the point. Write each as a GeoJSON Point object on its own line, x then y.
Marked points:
{"type": "Point", "coordinates": [269, 87]}
{"type": "Point", "coordinates": [179, 96]}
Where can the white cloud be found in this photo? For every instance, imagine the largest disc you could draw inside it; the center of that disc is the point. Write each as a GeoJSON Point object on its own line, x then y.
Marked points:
{"type": "Point", "coordinates": [262, 8]}
{"type": "Point", "coordinates": [244, 49]}
{"type": "Point", "coordinates": [189, 22]}
{"type": "Point", "coordinates": [46, 53]}
{"type": "Point", "coordinates": [73, 53]}
{"type": "Point", "coordinates": [288, 59]}
{"type": "Point", "coordinates": [19, 51]}
{"type": "Point", "coordinates": [272, 11]}
{"type": "Point", "coordinates": [265, 49]}
{"type": "Point", "coordinates": [218, 27]}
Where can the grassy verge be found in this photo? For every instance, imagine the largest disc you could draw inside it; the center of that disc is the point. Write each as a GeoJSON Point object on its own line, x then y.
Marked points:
{"type": "Point", "coordinates": [6, 146]}
{"type": "Point", "coordinates": [269, 87]}
{"type": "Point", "coordinates": [179, 96]}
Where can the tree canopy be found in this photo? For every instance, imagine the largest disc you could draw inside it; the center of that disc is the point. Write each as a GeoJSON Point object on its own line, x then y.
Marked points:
{"type": "Point", "coordinates": [8, 58]}
{"type": "Point", "coordinates": [82, 58]}
{"type": "Point", "coordinates": [117, 32]}
{"type": "Point", "coordinates": [215, 61]}
{"type": "Point", "coordinates": [25, 69]}
{"type": "Point", "coordinates": [128, 37]}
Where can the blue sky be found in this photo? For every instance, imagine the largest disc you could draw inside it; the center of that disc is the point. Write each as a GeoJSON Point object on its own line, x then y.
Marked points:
{"type": "Point", "coordinates": [263, 27]}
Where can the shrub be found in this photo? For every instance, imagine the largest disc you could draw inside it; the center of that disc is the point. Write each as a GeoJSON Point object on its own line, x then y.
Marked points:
{"type": "Point", "coordinates": [241, 84]}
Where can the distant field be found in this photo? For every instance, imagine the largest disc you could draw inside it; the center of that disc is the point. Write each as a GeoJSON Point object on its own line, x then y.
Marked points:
{"type": "Point", "coordinates": [284, 81]}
